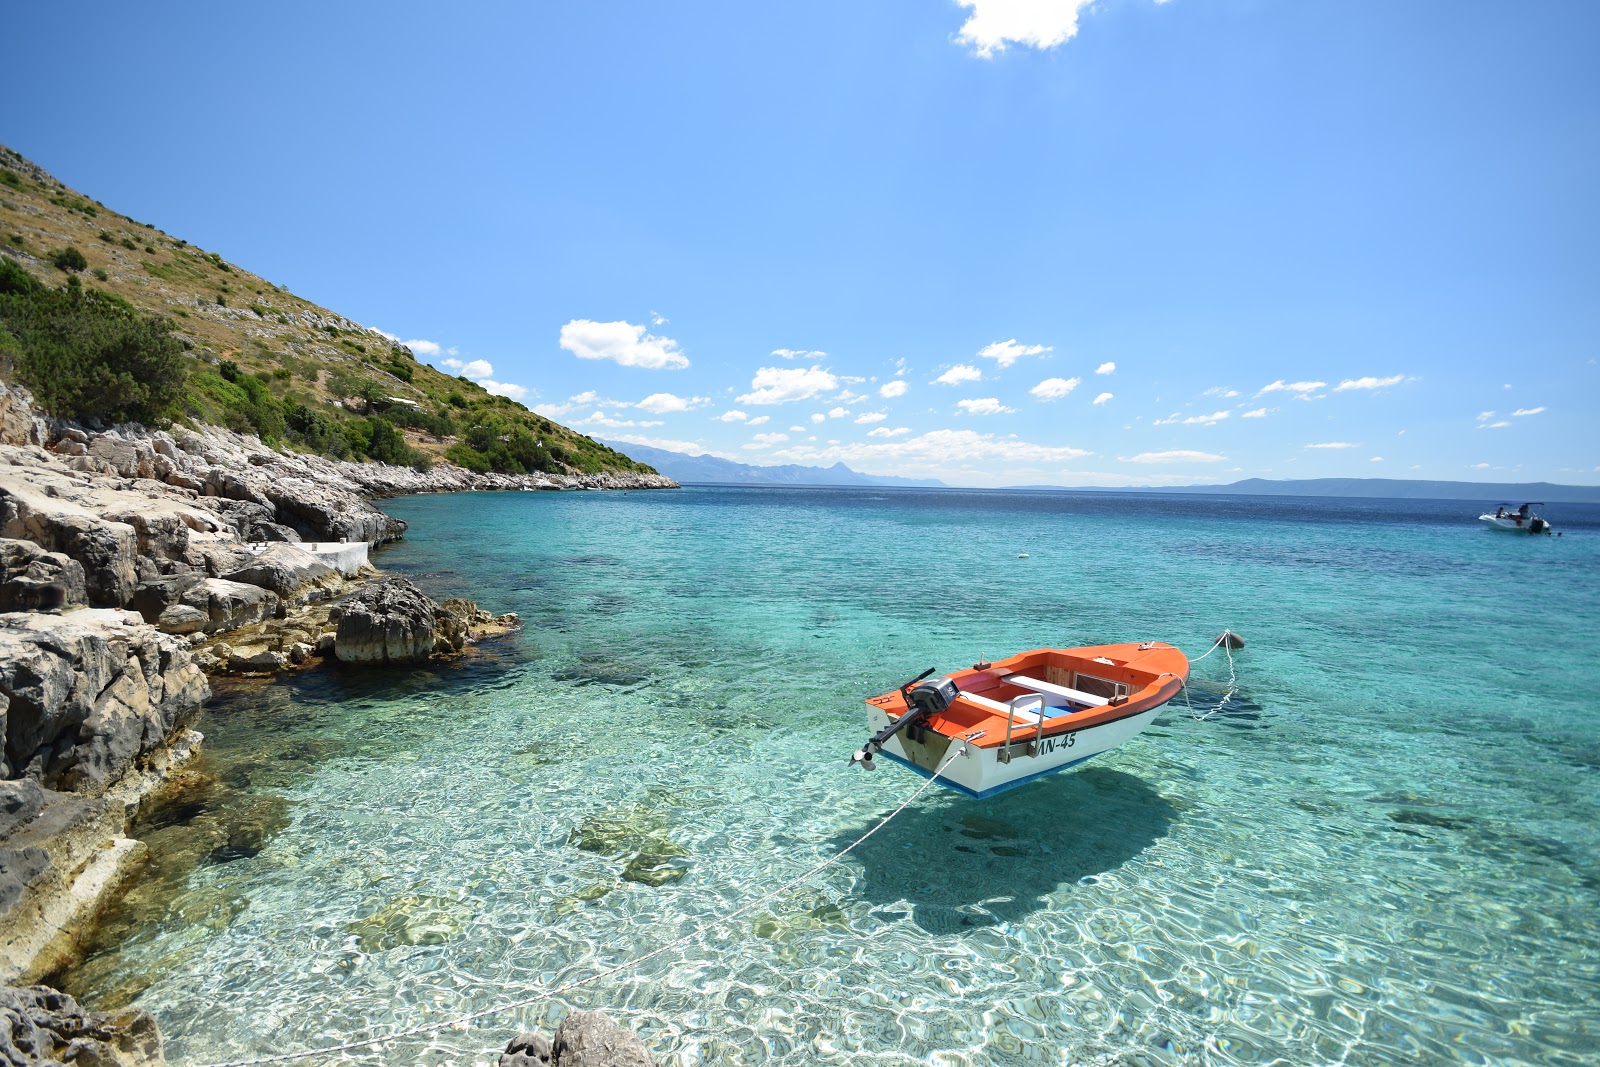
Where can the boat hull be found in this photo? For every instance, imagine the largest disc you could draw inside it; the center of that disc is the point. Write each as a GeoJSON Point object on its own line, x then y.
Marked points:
{"type": "Point", "coordinates": [983, 772]}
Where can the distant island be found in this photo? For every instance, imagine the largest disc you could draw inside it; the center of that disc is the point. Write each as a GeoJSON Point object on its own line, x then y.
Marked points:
{"type": "Point", "coordinates": [707, 468]}
{"type": "Point", "coordinates": [1384, 488]}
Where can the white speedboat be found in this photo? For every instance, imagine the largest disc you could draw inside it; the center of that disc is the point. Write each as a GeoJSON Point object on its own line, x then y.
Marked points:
{"type": "Point", "coordinates": [1522, 520]}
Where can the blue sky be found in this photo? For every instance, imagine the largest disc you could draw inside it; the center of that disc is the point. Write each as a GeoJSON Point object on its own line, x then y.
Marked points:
{"type": "Point", "coordinates": [1017, 242]}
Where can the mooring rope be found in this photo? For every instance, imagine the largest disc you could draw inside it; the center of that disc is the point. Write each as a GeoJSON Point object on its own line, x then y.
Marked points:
{"type": "Point", "coordinates": [463, 1021]}
{"type": "Point", "coordinates": [1233, 678]}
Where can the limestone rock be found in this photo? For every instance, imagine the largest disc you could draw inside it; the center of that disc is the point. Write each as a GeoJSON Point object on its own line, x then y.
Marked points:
{"type": "Point", "coordinates": [39, 1025]}
{"type": "Point", "coordinates": [264, 661]}
{"type": "Point", "coordinates": [32, 579]}
{"type": "Point", "coordinates": [527, 1050]}
{"type": "Point", "coordinates": [88, 693]}
{"type": "Point", "coordinates": [230, 605]}
{"type": "Point", "coordinates": [387, 621]}
{"type": "Point", "coordinates": [589, 1039]}
{"type": "Point", "coordinates": [284, 569]}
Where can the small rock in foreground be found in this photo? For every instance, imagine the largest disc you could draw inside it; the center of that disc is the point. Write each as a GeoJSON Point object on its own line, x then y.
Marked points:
{"type": "Point", "coordinates": [584, 1039]}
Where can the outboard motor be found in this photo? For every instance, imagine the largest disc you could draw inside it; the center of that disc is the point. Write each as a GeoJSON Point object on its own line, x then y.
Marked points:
{"type": "Point", "coordinates": [928, 698]}
{"type": "Point", "coordinates": [933, 696]}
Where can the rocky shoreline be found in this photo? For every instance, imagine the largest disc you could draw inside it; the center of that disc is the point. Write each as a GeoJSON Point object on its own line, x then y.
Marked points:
{"type": "Point", "coordinates": [133, 563]}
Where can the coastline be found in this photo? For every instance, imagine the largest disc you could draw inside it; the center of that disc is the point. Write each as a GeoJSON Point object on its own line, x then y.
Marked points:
{"type": "Point", "coordinates": [133, 564]}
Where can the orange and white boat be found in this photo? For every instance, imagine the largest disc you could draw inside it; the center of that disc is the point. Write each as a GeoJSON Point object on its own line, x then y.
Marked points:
{"type": "Point", "coordinates": [995, 726]}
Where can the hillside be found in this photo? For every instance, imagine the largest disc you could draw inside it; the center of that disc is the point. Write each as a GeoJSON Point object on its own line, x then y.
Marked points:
{"type": "Point", "coordinates": [706, 468]}
{"type": "Point", "coordinates": [256, 358]}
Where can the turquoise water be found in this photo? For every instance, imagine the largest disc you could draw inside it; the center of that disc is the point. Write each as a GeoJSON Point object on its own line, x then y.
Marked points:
{"type": "Point", "coordinates": [1383, 849]}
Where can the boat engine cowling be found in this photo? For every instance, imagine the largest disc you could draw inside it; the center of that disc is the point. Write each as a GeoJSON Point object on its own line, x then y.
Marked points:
{"type": "Point", "coordinates": [933, 696]}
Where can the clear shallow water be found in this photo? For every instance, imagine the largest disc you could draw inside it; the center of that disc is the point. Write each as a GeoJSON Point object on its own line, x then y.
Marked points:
{"type": "Point", "coordinates": [1385, 849]}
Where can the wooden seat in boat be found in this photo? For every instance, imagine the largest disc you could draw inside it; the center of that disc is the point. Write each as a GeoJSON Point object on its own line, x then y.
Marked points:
{"type": "Point", "coordinates": [1077, 696]}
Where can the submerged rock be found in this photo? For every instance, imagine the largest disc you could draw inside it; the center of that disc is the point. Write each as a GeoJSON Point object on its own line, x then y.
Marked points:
{"type": "Point", "coordinates": [584, 1039]}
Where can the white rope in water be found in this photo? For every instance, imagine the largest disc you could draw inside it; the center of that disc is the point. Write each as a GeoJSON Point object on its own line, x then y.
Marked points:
{"type": "Point", "coordinates": [1233, 679]}
{"type": "Point", "coordinates": [463, 1021]}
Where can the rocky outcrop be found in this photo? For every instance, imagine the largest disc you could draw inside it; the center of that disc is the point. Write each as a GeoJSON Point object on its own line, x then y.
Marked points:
{"type": "Point", "coordinates": [584, 1039]}
{"type": "Point", "coordinates": [32, 579]}
{"type": "Point", "coordinates": [392, 621]}
{"type": "Point", "coordinates": [88, 693]}
{"type": "Point", "coordinates": [40, 1026]}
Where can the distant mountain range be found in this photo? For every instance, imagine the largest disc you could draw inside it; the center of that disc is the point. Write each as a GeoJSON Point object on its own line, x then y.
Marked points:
{"type": "Point", "coordinates": [706, 468]}
{"type": "Point", "coordinates": [1386, 488]}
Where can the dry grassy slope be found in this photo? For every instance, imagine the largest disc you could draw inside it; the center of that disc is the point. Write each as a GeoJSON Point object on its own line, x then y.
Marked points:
{"type": "Point", "coordinates": [227, 313]}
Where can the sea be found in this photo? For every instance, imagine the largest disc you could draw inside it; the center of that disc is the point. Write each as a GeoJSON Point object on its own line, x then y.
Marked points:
{"type": "Point", "coordinates": [1371, 836]}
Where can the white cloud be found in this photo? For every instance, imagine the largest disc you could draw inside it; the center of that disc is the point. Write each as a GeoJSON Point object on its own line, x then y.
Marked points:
{"type": "Point", "coordinates": [688, 448]}
{"type": "Point", "coordinates": [1039, 24]}
{"type": "Point", "coordinates": [1193, 420]}
{"type": "Point", "coordinates": [782, 385]}
{"type": "Point", "coordinates": [662, 403]}
{"type": "Point", "coordinates": [1103, 398]}
{"type": "Point", "coordinates": [766, 440]}
{"type": "Point", "coordinates": [797, 429]}
{"type": "Point", "coordinates": [937, 452]}
{"type": "Point", "coordinates": [1368, 383]}
{"type": "Point", "coordinates": [838, 413]}
{"type": "Point", "coordinates": [1527, 411]}
{"type": "Point", "coordinates": [760, 420]}
{"type": "Point", "coordinates": [884, 431]}
{"type": "Point", "coordinates": [1301, 389]}
{"type": "Point", "coordinates": [600, 418]}
{"type": "Point", "coordinates": [1336, 444]}
{"type": "Point", "coordinates": [1502, 424]}
{"type": "Point", "coordinates": [1480, 467]}
{"type": "Point", "coordinates": [798, 353]}
{"type": "Point", "coordinates": [1055, 388]}
{"type": "Point", "coordinates": [1258, 413]}
{"type": "Point", "coordinates": [1177, 456]}
{"type": "Point", "coordinates": [1377, 459]}
{"type": "Point", "coordinates": [1222, 392]}
{"type": "Point", "coordinates": [515, 392]}
{"type": "Point", "coordinates": [984, 406]}
{"type": "Point", "coordinates": [1108, 367]}
{"type": "Point", "coordinates": [732, 416]}
{"type": "Point", "coordinates": [891, 389]}
{"type": "Point", "coordinates": [870, 417]}
{"type": "Point", "coordinates": [657, 319]}
{"type": "Point", "coordinates": [420, 347]}
{"type": "Point", "coordinates": [623, 342]}
{"type": "Point", "coordinates": [818, 417]}
{"type": "Point", "coordinates": [961, 372]}
{"type": "Point", "coordinates": [478, 368]}
{"type": "Point", "coordinates": [1006, 353]}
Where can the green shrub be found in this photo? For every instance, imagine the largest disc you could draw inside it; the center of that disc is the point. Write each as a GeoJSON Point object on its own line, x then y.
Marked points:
{"type": "Point", "coordinates": [108, 237]}
{"type": "Point", "coordinates": [10, 177]}
{"type": "Point", "coordinates": [87, 355]}
{"type": "Point", "coordinates": [100, 272]}
{"type": "Point", "coordinates": [127, 242]}
{"type": "Point", "coordinates": [68, 259]}
{"type": "Point", "coordinates": [18, 240]}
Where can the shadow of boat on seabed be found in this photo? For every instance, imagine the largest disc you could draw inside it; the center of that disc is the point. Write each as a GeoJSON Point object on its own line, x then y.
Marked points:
{"type": "Point", "coordinates": [961, 863]}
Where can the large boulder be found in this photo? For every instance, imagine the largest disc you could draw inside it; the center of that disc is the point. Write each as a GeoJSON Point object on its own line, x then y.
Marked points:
{"type": "Point", "coordinates": [32, 579]}
{"type": "Point", "coordinates": [385, 622]}
{"type": "Point", "coordinates": [88, 693]}
{"type": "Point", "coordinates": [39, 1025]}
